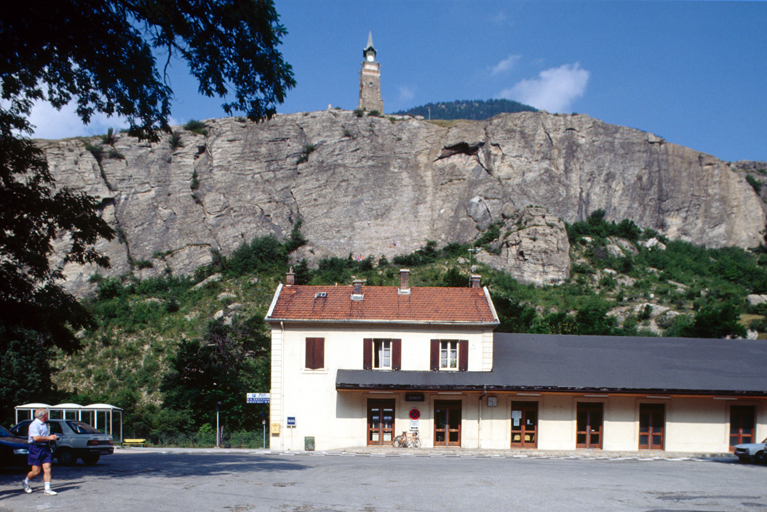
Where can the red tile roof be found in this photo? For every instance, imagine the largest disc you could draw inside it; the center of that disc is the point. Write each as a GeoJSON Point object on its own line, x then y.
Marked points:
{"type": "Point", "coordinates": [383, 303]}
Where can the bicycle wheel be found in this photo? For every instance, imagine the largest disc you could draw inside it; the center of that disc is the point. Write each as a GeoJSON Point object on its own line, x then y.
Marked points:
{"type": "Point", "coordinates": [417, 442]}
{"type": "Point", "coordinates": [397, 443]}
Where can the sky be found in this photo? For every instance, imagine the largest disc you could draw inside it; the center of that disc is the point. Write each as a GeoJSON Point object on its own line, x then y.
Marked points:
{"type": "Point", "coordinates": [694, 73]}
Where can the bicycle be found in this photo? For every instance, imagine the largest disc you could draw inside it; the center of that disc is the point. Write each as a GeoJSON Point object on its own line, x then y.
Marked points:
{"type": "Point", "coordinates": [407, 440]}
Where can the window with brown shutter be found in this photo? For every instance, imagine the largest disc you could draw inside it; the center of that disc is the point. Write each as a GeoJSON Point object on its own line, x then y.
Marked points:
{"type": "Point", "coordinates": [463, 355]}
{"type": "Point", "coordinates": [367, 354]}
{"type": "Point", "coordinates": [434, 358]}
{"type": "Point", "coordinates": [396, 354]}
{"type": "Point", "coordinates": [315, 353]}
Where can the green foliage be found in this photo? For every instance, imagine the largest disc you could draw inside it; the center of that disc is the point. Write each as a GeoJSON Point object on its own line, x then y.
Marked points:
{"type": "Point", "coordinates": [196, 126]}
{"type": "Point", "coordinates": [374, 113]}
{"type": "Point", "coordinates": [97, 150]}
{"type": "Point", "coordinates": [263, 254]}
{"type": "Point", "coordinates": [116, 155]}
{"type": "Point", "coordinates": [455, 279]}
{"type": "Point", "coordinates": [359, 112]}
{"type": "Point", "coordinates": [216, 370]}
{"type": "Point", "coordinates": [304, 156]}
{"type": "Point", "coordinates": [491, 234]}
{"type": "Point", "coordinates": [755, 184]}
{"type": "Point", "coordinates": [175, 140]}
{"type": "Point", "coordinates": [477, 110]}
{"type": "Point", "coordinates": [596, 227]}
{"type": "Point", "coordinates": [195, 183]}
{"type": "Point", "coordinates": [109, 139]}
{"type": "Point", "coordinates": [296, 238]}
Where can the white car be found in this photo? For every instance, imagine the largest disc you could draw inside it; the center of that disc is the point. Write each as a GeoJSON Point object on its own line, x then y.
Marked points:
{"type": "Point", "coordinates": [76, 440]}
{"type": "Point", "coordinates": [749, 452]}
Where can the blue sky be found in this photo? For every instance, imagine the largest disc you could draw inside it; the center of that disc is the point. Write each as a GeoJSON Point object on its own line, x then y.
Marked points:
{"type": "Point", "coordinates": [694, 73]}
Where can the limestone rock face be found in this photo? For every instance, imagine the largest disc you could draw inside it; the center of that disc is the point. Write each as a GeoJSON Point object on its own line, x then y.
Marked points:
{"type": "Point", "coordinates": [372, 186]}
{"type": "Point", "coordinates": [533, 247]}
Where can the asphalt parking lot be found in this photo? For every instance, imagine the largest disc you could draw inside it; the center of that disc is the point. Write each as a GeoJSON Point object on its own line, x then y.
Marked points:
{"type": "Point", "coordinates": [408, 480]}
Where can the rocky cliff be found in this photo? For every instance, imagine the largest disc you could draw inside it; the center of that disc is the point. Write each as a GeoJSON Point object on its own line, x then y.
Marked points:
{"type": "Point", "coordinates": [373, 185]}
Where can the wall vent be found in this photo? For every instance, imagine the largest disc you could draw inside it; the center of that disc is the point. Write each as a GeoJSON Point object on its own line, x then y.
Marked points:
{"type": "Point", "coordinates": [321, 295]}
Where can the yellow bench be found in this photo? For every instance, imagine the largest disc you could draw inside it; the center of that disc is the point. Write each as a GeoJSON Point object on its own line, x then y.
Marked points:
{"type": "Point", "coordinates": [134, 442]}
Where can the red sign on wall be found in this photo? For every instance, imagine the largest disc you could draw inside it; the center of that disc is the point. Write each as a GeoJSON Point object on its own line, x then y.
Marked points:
{"type": "Point", "coordinates": [415, 414]}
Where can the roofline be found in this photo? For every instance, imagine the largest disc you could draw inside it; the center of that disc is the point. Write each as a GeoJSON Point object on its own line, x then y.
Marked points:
{"type": "Point", "coordinates": [492, 306]}
{"type": "Point", "coordinates": [274, 302]}
{"type": "Point", "coordinates": [378, 321]}
{"type": "Point", "coordinates": [550, 390]}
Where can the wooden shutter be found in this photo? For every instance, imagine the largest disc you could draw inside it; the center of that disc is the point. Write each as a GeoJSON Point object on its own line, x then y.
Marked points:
{"type": "Point", "coordinates": [434, 355]}
{"type": "Point", "coordinates": [319, 352]}
{"type": "Point", "coordinates": [463, 355]}
{"type": "Point", "coordinates": [367, 354]}
{"type": "Point", "coordinates": [396, 354]}
{"type": "Point", "coordinates": [315, 353]}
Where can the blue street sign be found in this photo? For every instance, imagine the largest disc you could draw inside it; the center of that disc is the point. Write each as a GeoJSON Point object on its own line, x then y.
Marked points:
{"type": "Point", "coordinates": [291, 421]}
{"type": "Point", "coordinates": [258, 398]}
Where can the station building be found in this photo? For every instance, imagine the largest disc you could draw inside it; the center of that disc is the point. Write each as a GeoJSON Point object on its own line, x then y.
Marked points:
{"type": "Point", "coordinates": [354, 366]}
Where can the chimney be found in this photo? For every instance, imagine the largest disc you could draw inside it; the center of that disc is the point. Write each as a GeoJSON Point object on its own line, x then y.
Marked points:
{"type": "Point", "coordinates": [290, 280]}
{"type": "Point", "coordinates": [474, 280]}
{"type": "Point", "coordinates": [357, 289]}
{"type": "Point", "coordinates": [404, 281]}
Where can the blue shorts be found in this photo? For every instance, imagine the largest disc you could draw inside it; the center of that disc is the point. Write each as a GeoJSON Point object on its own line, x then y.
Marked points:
{"type": "Point", "coordinates": [39, 455]}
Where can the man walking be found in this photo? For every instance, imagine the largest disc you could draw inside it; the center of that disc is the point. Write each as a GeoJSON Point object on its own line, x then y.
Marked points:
{"type": "Point", "coordinates": [40, 453]}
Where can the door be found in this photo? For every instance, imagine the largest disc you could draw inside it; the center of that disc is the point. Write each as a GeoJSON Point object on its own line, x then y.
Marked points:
{"type": "Point", "coordinates": [652, 420]}
{"type": "Point", "coordinates": [524, 424]}
{"type": "Point", "coordinates": [588, 432]}
{"type": "Point", "coordinates": [741, 425]}
{"type": "Point", "coordinates": [447, 423]}
{"type": "Point", "coordinates": [380, 422]}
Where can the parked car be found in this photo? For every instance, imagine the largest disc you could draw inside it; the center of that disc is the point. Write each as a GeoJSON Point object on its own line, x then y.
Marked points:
{"type": "Point", "coordinates": [750, 452]}
{"type": "Point", "coordinates": [77, 440]}
{"type": "Point", "coordinates": [13, 450]}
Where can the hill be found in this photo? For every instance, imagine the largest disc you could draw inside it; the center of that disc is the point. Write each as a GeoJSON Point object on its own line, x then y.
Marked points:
{"type": "Point", "coordinates": [475, 110]}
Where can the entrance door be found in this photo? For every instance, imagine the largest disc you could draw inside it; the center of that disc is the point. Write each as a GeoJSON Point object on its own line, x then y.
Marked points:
{"type": "Point", "coordinates": [524, 424]}
{"type": "Point", "coordinates": [380, 422]}
{"type": "Point", "coordinates": [588, 432]}
{"type": "Point", "coordinates": [741, 425]}
{"type": "Point", "coordinates": [652, 420]}
{"type": "Point", "coordinates": [447, 423]}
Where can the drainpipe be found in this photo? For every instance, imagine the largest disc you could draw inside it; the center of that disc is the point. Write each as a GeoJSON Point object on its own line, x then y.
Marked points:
{"type": "Point", "coordinates": [282, 389]}
{"type": "Point", "coordinates": [479, 417]}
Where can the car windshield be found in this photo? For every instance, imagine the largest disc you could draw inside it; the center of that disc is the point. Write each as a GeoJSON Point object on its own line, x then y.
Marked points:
{"type": "Point", "coordinates": [5, 433]}
{"type": "Point", "coordinates": [83, 428]}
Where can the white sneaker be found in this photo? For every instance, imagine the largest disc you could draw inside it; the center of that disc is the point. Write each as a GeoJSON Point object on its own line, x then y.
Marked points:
{"type": "Point", "coordinates": [50, 492]}
{"type": "Point", "coordinates": [27, 488]}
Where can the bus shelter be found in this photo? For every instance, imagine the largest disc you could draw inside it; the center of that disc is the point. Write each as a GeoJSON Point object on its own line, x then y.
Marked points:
{"type": "Point", "coordinates": [106, 417]}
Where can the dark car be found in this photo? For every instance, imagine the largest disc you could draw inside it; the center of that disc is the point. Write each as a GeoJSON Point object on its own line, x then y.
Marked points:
{"type": "Point", "coordinates": [13, 450]}
{"type": "Point", "coordinates": [77, 440]}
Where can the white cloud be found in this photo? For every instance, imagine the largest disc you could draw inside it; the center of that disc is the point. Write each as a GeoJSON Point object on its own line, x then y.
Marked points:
{"type": "Point", "coordinates": [553, 90]}
{"type": "Point", "coordinates": [50, 123]}
{"type": "Point", "coordinates": [406, 93]}
{"type": "Point", "coordinates": [505, 65]}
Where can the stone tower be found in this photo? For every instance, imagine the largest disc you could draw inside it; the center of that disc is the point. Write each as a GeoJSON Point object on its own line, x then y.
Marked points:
{"type": "Point", "coordinates": [370, 80]}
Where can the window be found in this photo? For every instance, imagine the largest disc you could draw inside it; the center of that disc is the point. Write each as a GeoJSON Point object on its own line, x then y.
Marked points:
{"type": "Point", "coordinates": [382, 354]}
{"type": "Point", "coordinates": [315, 353]}
{"type": "Point", "coordinates": [449, 355]}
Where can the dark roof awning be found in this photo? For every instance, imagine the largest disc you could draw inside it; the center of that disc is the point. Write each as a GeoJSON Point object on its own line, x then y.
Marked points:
{"type": "Point", "coordinates": [594, 364]}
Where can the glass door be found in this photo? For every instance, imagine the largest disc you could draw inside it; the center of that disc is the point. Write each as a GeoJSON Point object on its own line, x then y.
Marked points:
{"type": "Point", "coordinates": [741, 425]}
{"type": "Point", "coordinates": [380, 422]}
{"type": "Point", "coordinates": [447, 423]}
{"type": "Point", "coordinates": [651, 424]}
{"type": "Point", "coordinates": [524, 424]}
{"type": "Point", "coordinates": [589, 426]}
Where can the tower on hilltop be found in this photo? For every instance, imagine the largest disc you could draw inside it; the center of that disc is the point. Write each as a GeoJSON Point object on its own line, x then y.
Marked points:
{"type": "Point", "coordinates": [370, 80]}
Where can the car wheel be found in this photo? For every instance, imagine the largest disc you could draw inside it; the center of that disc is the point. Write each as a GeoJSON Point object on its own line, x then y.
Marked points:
{"type": "Point", "coordinates": [91, 459]}
{"type": "Point", "coordinates": [761, 458]}
{"type": "Point", "coordinates": [66, 457]}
